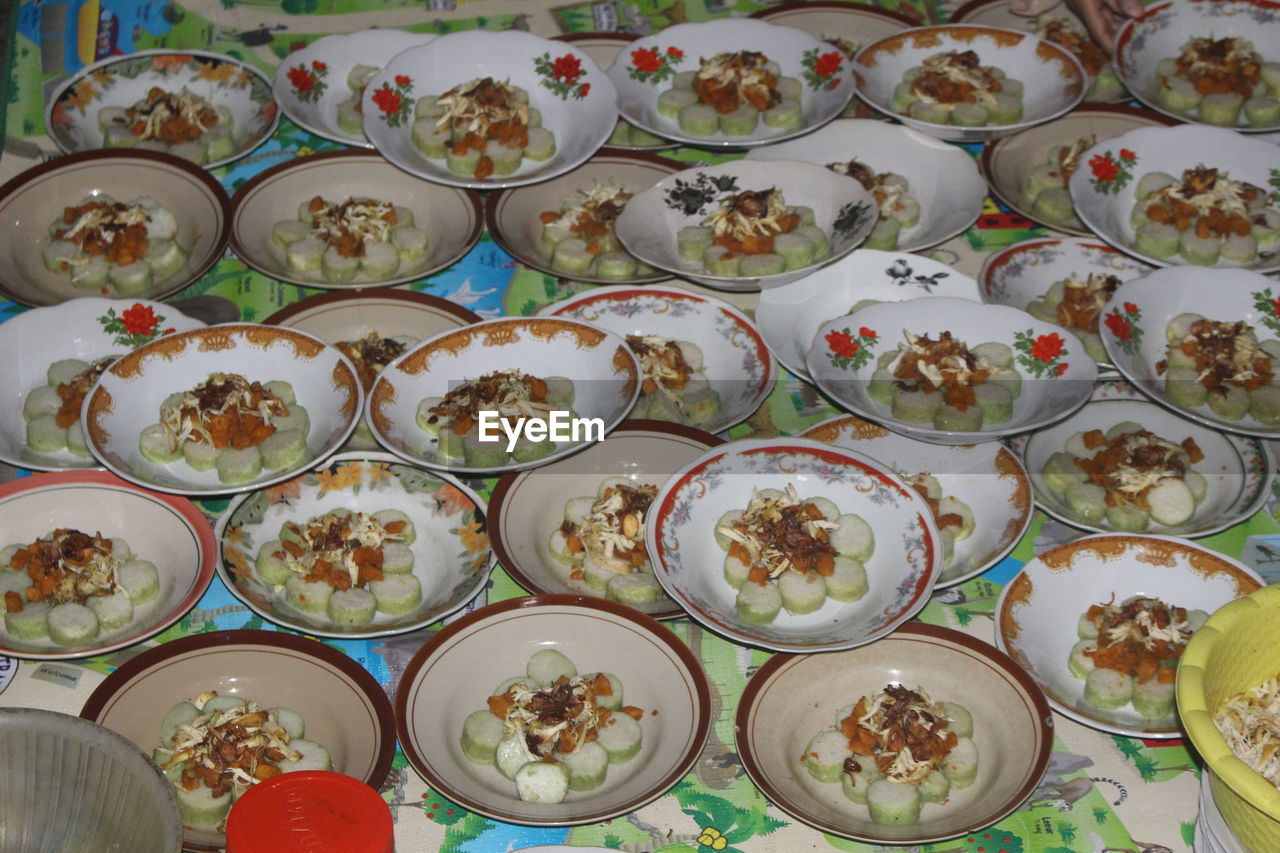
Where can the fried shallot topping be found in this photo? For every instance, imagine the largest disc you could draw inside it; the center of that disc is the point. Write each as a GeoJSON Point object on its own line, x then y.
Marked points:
{"type": "Point", "coordinates": [727, 80]}
{"type": "Point", "coordinates": [1250, 723]}
{"type": "Point", "coordinates": [1129, 465]}
{"type": "Point", "coordinates": [1226, 354]}
{"type": "Point", "coordinates": [371, 354]}
{"type": "Point", "coordinates": [67, 566]}
{"type": "Point", "coordinates": [955, 77]}
{"type": "Point", "coordinates": [747, 222]}
{"type": "Point", "coordinates": [559, 719]}
{"type": "Point", "coordinates": [230, 750]}
{"type": "Point", "coordinates": [1062, 31]}
{"type": "Point", "coordinates": [72, 393]}
{"type": "Point", "coordinates": [1144, 637]}
{"type": "Point", "coordinates": [114, 230]}
{"type": "Point", "coordinates": [171, 118]}
{"type": "Point", "coordinates": [1221, 66]}
{"type": "Point", "coordinates": [945, 365]}
{"type": "Point", "coordinates": [614, 529]}
{"type": "Point", "coordinates": [1083, 300]}
{"type": "Point", "coordinates": [341, 549]}
{"type": "Point", "coordinates": [662, 362]}
{"type": "Point", "coordinates": [513, 394]}
{"type": "Point", "coordinates": [351, 226]}
{"type": "Point", "coordinates": [780, 532]}
{"type": "Point", "coordinates": [903, 731]}
{"type": "Point", "coordinates": [224, 410]}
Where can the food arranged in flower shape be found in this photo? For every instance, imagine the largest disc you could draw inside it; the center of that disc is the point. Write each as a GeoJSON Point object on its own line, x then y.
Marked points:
{"type": "Point", "coordinates": [71, 587]}
{"type": "Point", "coordinates": [580, 237]}
{"type": "Point", "coordinates": [1076, 304]}
{"type": "Point", "coordinates": [1212, 80]}
{"type": "Point", "coordinates": [1127, 476]}
{"type": "Point", "coordinates": [898, 210]}
{"type": "Point", "coordinates": [344, 565]}
{"type": "Point", "coordinates": [552, 731]}
{"type": "Point", "coordinates": [1221, 364]}
{"type": "Point", "coordinates": [481, 128]}
{"type": "Point", "coordinates": [1045, 187]}
{"type": "Point", "coordinates": [103, 244]}
{"type": "Point", "coordinates": [1104, 84]}
{"type": "Point", "coordinates": [1204, 216]}
{"type": "Point", "coordinates": [754, 233]}
{"type": "Point", "coordinates": [895, 751]}
{"type": "Point", "coordinates": [181, 123]}
{"type": "Point", "coordinates": [215, 748]}
{"type": "Point", "coordinates": [341, 241]}
{"type": "Point", "coordinates": [1129, 652]}
{"type": "Point", "coordinates": [792, 553]}
{"type": "Point", "coordinates": [733, 93]}
{"type": "Point", "coordinates": [52, 411]}
{"type": "Point", "coordinates": [954, 87]}
{"type": "Point", "coordinates": [674, 388]}
{"type": "Point", "coordinates": [602, 542]}
{"type": "Point", "coordinates": [454, 419]}
{"type": "Point", "coordinates": [230, 423]}
{"type": "Point", "coordinates": [945, 383]}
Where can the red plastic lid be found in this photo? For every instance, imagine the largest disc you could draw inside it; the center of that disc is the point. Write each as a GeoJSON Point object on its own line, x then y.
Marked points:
{"type": "Point", "coordinates": [310, 811]}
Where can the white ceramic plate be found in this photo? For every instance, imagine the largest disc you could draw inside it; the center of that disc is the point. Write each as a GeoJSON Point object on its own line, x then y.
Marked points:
{"type": "Point", "coordinates": [1053, 79]}
{"type": "Point", "coordinates": [451, 555]}
{"type": "Point", "coordinates": [1057, 374]}
{"type": "Point", "coordinates": [987, 477]}
{"type": "Point", "coordinates": [603, 48]}
{"type": "Point", "coordinates": [71, 117]}
{"type": "Point", "coordinates": [736, 361]}
{"type": "Point", "coordinates": [844, 211]}
{"type": "Point", "coordinates": [166, 530]}
{"type": "Point", "coordinates": [1104, 192]}
{"type": "Point", "coordinates": [452, 676]}
{"type": "Point", "coordinates": [689, 563]}
{"type": "Point", "coordinates": [1038, 610]}
{"type": "Point", "coordinates": [1022, 273]}
{"type": "Point", "coordinates": [452, 217]}
{"type": "Point", "coordinates": [1136, 342]}
{"type": "Point", "coordinates": [605, 376]}
{"type": "Point", "coordinates": [311, 83]}
{"type": "Point", "coordinates": [87, 329]}
{"type": "Point", "coordinates": [644, 71]}
{"type": "Point", "coordinates": [1239, 469]}
{"type": "Point", "coordinates": [789, 316]}
{"type": "Point", "coordinates": [576, 99]}
{"type": "Point", "coordinates": [127, 398]}
{"type": "Point", "coordinates": [943, 178]}
{"type": "Point", "coordinates": [1161, 31]}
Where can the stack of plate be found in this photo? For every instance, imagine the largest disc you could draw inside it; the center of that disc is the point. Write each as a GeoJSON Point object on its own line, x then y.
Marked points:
{"type": "Point", "coordinates": [1212, 833]}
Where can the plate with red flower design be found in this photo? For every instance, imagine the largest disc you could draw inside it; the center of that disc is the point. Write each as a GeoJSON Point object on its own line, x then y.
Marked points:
{"type": "Point", "coordinates": [951, 371]}
{"type": "Point", "coordinates": [791, 83]}
{"type": "Point", "coordinates": [489, 110]}
{"type": "Point", "coordinates": [320, 87]}
{"type": "Point", "coordinates": [40, 345]}
{"type": "Point", "coordinates": [1205, 196]}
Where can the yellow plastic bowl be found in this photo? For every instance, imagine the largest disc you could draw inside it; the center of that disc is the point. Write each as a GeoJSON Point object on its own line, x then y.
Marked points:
{"type": "Point", "coordinates": [1237, 649]}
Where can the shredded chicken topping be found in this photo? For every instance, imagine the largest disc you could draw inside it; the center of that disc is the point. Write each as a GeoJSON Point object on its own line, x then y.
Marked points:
{"type": "Point", "coordinates": [662, 362]}
{"type": "Point", "coordinates": [726, 80]}
{"type": "Point", "coordinates": [781, 532]}
{"type": "Point", "coordinates": [613, 534]}
{"type": "Point", "coordinates": [65, 566]}
{"type": "Point", "coordinates": [116, 231]}
{"type": "Point", "coordinates": [225, 409]}
{"type": "Point", "coordinates": [1083, 300]}
{"type": "Point", "coordinates": [944, 365]}
{"type": "Point", "coordinates": [480, 105]}
{"type": "Point", "coordinates": [1131, 464]}
{"type": "Point", "coordinates": [1225, 354]}
{"type": "Point", "coordinates": [1221, 66]}
{"type": "Point", "coordinates": [513, 394]}
{"type": "Point", "coordinates": [371, 354]}
{"type": "Point", "coordinates": [903, 731]}
{"type": "Point", "coordinates": [591, 213]}
{"type": "Point", "coordinates": [1144, 637]}
{"type": "Point", "coordinates": [230, 750]}
{"type": "Point", "coordinates": [556, 721]}
{"type": "Point", "coordinates": [1063, 31]}
{"type": "Point", "coordinates": [747, 222]}
{"type": "Point", "coordinates": [955, 77]}
{"type": "Point", "coordinates": [1250, 723]}
{"type": "Point", "coordinates": [341, 549]}
{"type": "Point", "coordinates": [886, 194]}
{"type": "Point", "coordinates": [171, 118]}
{"type": "Point", "coordinates": [73, 392]}
{"type": "Point", "coordinates": [351, 226]}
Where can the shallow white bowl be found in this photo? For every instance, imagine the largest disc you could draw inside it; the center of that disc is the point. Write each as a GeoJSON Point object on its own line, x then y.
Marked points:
{"type": "Point", "coordinates": [736, 361]}
{"type": "Point", "coordinates": [689, 564]}
{"type": "Point", "coordinates": [682, 47]}
{"type": "Point", "coordinates": [987, 477]}
{"type": "Point", "coordinates": [309, 93]}
{"type": "Point", "coordinates": [1053, 79]}
{"type": "Point", "coordinates": [33, 340]}
{"type": "Point", "coordinates": [1038, 610]}
{"type": "Point", "coordinates": [789, 316]}
{"type": "Point", "coordinates": [1055, 381]}
{"type": "Point", "coordinates": [1022, 273]}
{"type": "Point", "coordinates": [1136, 341]}
{"type": "Point", "coordinates": [648, 225]}
{"type": "Point", "coordinates": [1104, 205]}
{"type": "Point", "coordinates": [71, 114]}
{"type": "Point", "coordinates": [1239, 469]}
{"type": "Point", "coordinates": [943, 178]}
{"type": "Point", "coordinates": [580, 113]}
{"type": "Point", "coordinates": [127, 398]}
{"type": "Point", "coordinates": [1161, 31]}
{"type": "Point", "coordinates": [605, 376]}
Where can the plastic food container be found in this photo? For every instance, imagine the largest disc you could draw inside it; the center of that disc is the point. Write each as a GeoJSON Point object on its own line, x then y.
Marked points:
{"type": "Point", "coordinates": [310, 810]}
{"type": "Point", "coordinates": [70, 784]}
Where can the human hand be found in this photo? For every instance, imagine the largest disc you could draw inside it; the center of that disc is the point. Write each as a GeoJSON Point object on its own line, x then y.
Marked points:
{"type": "Point", "coordinates": [1105, 17]}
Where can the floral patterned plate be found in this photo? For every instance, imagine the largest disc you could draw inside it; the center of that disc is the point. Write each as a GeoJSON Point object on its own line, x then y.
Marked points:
{"type": "Point", "coordinates": [843, 210]}
{"type": "Point", "coordinates": [1056, 374]}
{"type": "Point", "coordinates": [644, 71]}
{"type": "Point", "coordinates": [790, 315]}
{"type": "Point", "coordinates": [1238, 469]}
{"type": "Point", "coordinates": [311, 83]}
{"type": "Point", "coordinates": [1024, 272]}
{"type": "Point", "coordinates": [987, 477]}
{"type": "Point", "coordinates": [1104, 193]}
{"type": "Point", "coordinates": [1038, 610]}
{"type": "Point", "coordinates": [87, 329]}
{"type": "Point", "coordinates": [901, 571]}
{"type": "Point", "coordinates": [1140, 311]}
{"type": "Point", "coordinates": [71, 117]}
{"type": "Point", "coordinates": [577, 101]}
{"type": "Point", "coordinates": [451, 554]}
{"type": "Point", "coordinates": [736, 361]}
{"type": "Point", "coordinates": [604, 48]}
{"type": "Point", "coordinates": [1161, 31]}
